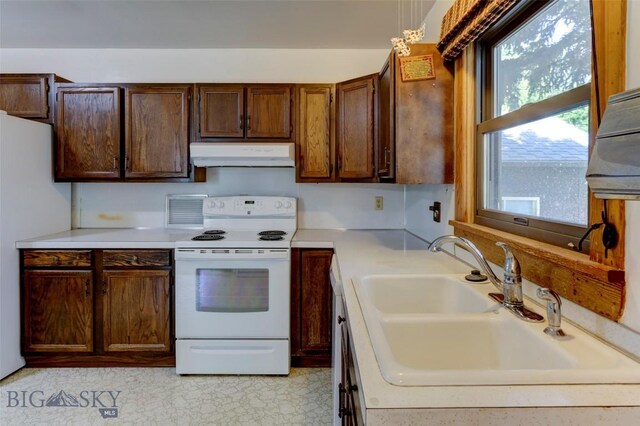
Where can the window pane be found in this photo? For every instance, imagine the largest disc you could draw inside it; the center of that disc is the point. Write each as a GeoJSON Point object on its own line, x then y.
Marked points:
{"type": "Point", "coordinates": [538, 169]}
{"type": "Point", "coordinates": [548, 55]}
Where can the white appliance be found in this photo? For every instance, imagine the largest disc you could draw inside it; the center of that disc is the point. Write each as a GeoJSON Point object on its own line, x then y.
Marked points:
{"type": "Point", "coordinates": [30, 205]}
{"type": "Point", "coordinates": [261, 154]}
{"type": "Point", "coordinates": [232, 288]}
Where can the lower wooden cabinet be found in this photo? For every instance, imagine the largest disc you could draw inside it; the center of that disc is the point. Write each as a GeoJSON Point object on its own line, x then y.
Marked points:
{"type": "Point", "coordinates": [58, 311]}
{"type": "Point", "coordinates": [349, 408]}
{"type": "Point", "coordinates": [115, 309]}
{"type": "Point", "coordinates": [311, 300]}
{"type": "Point", "coordinates": [136, 310]}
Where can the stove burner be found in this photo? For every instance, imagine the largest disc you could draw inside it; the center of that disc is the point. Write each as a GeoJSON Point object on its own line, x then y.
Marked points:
{"type": "Point", "coordinates": [272, 233]}
{"type": "Point", "coordinates": [208, 237]}
{"type": "Point", "coordinates": [271, 238]}
{"type": "Point", "coordinates": [214, 232]}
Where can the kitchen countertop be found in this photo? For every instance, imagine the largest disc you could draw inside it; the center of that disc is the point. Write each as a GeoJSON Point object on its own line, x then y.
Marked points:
{"type": "Point", "coordinates": [360, 253]}
{"type": "Point", "coordinates": [97, 238]}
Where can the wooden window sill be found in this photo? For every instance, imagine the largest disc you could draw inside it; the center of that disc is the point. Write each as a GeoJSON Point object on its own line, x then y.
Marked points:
{"type": "Point", "coordinates": [599, 288]}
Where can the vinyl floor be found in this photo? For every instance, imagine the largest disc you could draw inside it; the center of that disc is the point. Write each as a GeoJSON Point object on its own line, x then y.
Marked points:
{"type": "Point", "coordinates": [157, 396]}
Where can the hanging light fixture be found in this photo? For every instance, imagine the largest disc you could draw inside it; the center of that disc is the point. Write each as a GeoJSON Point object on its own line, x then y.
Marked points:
{"type": "Point", "coordinates": [401, 44]}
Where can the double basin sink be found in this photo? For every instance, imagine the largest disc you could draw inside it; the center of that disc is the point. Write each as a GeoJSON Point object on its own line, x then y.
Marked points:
{"type": "Point", "coordinates": [439, 330]}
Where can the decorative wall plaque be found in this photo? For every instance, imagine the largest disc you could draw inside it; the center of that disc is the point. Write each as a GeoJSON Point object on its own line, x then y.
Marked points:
{"type": "Point", "coordinates": [417, 68]}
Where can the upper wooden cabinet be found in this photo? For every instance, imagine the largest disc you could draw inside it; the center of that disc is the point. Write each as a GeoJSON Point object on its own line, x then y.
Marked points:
{"type": "Point", "coordinates": [355, 128]}
{"type": "Point", "coordinates": [315, 142]}
{"type": "Point", "coordinates": [237, 112]}
{"type": "Point", "coordinates": [88, 133]}
{"type": "Point", "coordinates": [157, 132]}
{"type": "Point", "coordinates": [29, 95]}
{"type": "Point", "coordinates": [415, 143]}
{"type": "Point", "coordinates": [97, 139]}
{"type": "Point", "coordinates": [221, 111]}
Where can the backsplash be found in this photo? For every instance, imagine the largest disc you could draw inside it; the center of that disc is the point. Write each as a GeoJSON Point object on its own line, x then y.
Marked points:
{"type": "Point", "coordinates": [344, 205]}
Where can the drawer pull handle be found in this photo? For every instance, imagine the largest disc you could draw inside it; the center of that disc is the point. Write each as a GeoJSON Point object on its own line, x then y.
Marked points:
{"type": "Point", "coordinates": [340, 319]}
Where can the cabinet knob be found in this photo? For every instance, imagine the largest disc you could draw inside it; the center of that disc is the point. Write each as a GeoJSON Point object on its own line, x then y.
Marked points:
{"type": "Point", "coordinates": [86, 287]}
{"type": "Point", "coordinates": [340, 319]}
{"type": "Point", "coordinates": [115, 163]}
{"type": "Point", "coordinates": [248, 122]}
{"type": "Point", "coordinates": [240, 123]}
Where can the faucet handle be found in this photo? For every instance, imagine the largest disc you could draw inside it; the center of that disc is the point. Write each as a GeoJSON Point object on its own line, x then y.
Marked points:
{"type": "Point", "coordinates": [511, 264]}
{"type": "Point", "coordinates": [554, 312]}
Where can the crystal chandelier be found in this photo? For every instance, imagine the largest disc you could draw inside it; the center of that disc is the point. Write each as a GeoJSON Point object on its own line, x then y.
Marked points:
{"type": "Point", "coordinates": [401, 44]}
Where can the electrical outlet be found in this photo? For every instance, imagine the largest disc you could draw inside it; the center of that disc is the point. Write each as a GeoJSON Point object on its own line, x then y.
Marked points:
{"type": "Point", "coordinates": [379, 203]}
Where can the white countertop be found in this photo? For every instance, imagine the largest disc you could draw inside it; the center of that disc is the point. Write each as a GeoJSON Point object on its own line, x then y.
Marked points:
{"type": "Point", "coordinates": [97, 238]}
{"type": "Point", "coordinates": [362, 253]}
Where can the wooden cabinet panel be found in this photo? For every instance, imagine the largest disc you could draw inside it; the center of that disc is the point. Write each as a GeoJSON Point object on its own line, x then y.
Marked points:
{"type": "Point", "coordinates": [157, 132]}
{"type": "Point", "coordinates": [221, 111]}
{"type": "Point", "coordinates": [311, 302]}
{"type": "Point", "coordinates": [58, 311]}
{"type": "Point", "coordinates": [315, 141]}
{"type": "Point", "coordinates": [269, 111]}
{"type": "Point", "coordinates": [355, 128]}
{"type": "Point", "coordinates": [54, 258]}
{"type": "Point", "coordinates": [25, 96]}
{"type": "Point", "coordinates": [136, 310]}
{"type": "Point", "coordinates": [415, 143]}
{"type": "Point", "coordinates": [386, 121]}
{"type": "Point", "coordinates": [316, 299]}
{"type": "Point", "coordinates": [88, 133]}
{"type": "Point", "coordinates": [136, 258]}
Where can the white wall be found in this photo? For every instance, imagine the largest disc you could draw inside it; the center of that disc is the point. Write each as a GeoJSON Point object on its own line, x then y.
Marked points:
{"type": "Point", "coordinates": [197, 65]}
{"type": "Point", "coordinates": [319, 205]}
{"type": "Point", "coordinates": [124, 205]}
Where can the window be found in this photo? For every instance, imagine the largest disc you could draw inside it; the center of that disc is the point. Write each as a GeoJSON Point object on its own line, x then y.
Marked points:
{"type": "Point", "coordinates": [533, 136]}
{"type": "Point", "coordinates": [522, 205]}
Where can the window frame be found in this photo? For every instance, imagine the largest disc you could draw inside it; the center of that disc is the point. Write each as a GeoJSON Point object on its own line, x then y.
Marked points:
{"type": "Point", "coordinates": [541, 229]}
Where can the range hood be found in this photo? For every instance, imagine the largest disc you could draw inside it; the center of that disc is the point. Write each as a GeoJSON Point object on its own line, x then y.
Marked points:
{"type": "Point", "coordinates": [614, 167]}
{"type": "Point", "coordinates": [242, 154]}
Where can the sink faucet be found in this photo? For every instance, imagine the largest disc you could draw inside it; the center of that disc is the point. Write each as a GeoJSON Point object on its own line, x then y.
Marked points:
{"type": "Point", "coordinates": [511, 284]}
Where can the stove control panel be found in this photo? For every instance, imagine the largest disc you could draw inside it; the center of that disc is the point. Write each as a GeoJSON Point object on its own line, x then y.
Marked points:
{"type": "Point", "coordinates": [241, 206]}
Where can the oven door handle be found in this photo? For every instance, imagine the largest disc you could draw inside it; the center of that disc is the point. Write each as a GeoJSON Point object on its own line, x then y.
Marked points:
{"type": "Point", "coordinates": [231, 254]}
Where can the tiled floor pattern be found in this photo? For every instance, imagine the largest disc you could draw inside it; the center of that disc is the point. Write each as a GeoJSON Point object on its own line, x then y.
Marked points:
{"type": "Point", "coordinates": [157, 396]}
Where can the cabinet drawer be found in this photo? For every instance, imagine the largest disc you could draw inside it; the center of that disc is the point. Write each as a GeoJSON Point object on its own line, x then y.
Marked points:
{"type": "Point", "coordinates": [51, 258]}
{"type": "Point", "coordinates": [137, 258]}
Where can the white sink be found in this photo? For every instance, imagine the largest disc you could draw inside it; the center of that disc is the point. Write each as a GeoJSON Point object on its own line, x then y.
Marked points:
{"type": "Point", "coordinates": [423, 294]}
{"type": "Point", "coordinates": [470, 342]}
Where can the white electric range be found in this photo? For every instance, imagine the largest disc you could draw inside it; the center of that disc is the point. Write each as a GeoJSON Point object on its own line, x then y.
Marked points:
{"type": "Point", "coordinates": [232, 288]}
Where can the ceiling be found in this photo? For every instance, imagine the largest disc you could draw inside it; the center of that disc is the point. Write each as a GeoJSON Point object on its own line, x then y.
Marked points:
{"type": "Point", "coordinates": [179, 24]}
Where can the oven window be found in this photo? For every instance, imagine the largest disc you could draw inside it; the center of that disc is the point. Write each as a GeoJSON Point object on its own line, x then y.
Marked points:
{"type": "Point", "coordinates": [232, 290]}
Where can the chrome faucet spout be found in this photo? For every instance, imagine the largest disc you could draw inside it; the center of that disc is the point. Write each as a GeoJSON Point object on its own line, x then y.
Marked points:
{"type": "Point", "coordinates": [511, 284]}
{"type": "Point", "coordinates": [438, 242]}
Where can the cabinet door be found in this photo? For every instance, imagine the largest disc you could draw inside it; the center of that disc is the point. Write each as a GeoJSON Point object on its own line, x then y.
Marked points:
{"type": "Point", "coordinates": [355, 128]}
{"type": "Point", "coordinates": [157, 132]}
{"type": "Point", "coordinates": [221, 111]}
{"type": "Point", "coordinates": [316, 299]}
{"type": "Point", "coordinates": [269, 112]}
{"type": "Point", "coordinates": [88, 133]}
{"type": "Point", "coordinates": [136, 310]}
{"type": "Point", "coordinates": [386, 123]}
{"type": "Point", "coordinates": [311, 301]}
{"type": "Point", "coordinates": [58, 311]}
{"type": "Point", "coordinates": [24, 96]}
{"type": "Point", "coordinates": [316, 146]}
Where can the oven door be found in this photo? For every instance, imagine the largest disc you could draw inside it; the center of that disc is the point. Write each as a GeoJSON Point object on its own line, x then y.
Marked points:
{"type": "Point", "coordinates": [232, 293]}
